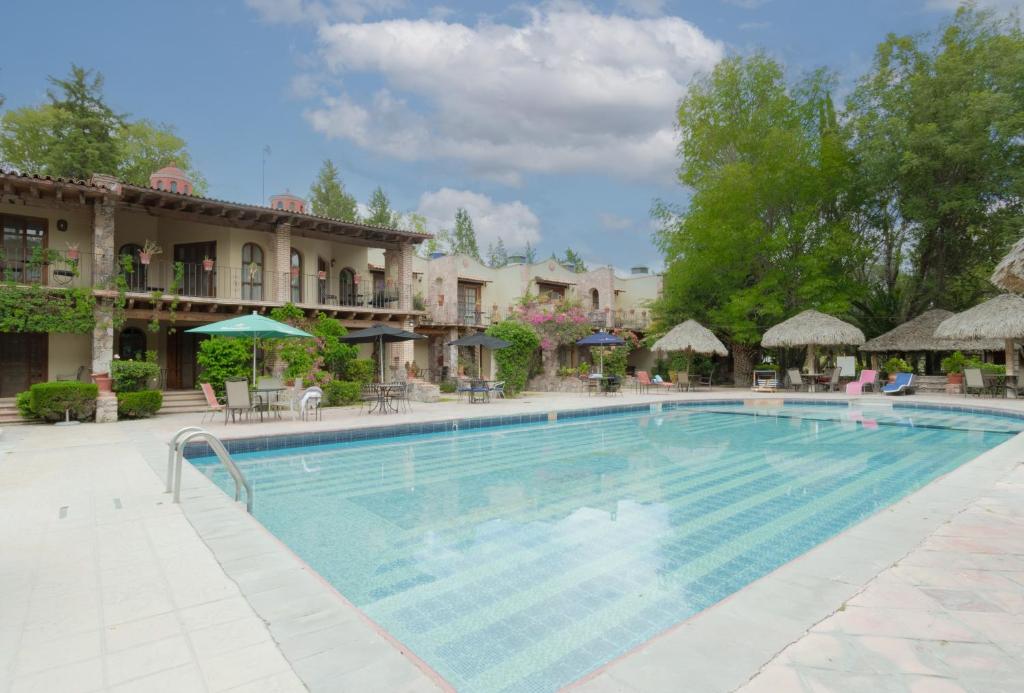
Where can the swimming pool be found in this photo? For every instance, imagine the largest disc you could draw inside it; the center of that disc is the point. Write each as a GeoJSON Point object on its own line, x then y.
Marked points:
{"type": "Point", "coordinates": [519, 558]}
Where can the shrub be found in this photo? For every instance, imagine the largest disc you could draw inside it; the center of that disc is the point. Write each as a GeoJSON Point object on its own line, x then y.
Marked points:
{"type": "Point", "coordinates": [23, 401]}
{"type": "Point", "coordinates": [897, 365]}
{"type": "Point", "coordinates": [449, 386]}
{"type": "Point", "coordinates": [514, 361]}
{"type": "Point", "coordinates": [139, 405]}
{"type": "Point", "coordinates": [49, 400]}
{"type": "Point", "coordinates": [955, 363]}
{"type": "Point", "coordinates": [133, 376]}
{"type": "Point", "coordinates": [360, 371]}
{"type": "Point", "coordinates": [615, 359]}
{"type": "Point", "coordinates": [338, 393]}
{"type": "Point", "coordinates": [224, 358]}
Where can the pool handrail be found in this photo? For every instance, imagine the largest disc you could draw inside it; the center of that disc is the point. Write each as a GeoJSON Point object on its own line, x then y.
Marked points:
{"type": "Point", "coordinates": [172, 450]}
{"type": "Point", "coordinates": [222, 454]}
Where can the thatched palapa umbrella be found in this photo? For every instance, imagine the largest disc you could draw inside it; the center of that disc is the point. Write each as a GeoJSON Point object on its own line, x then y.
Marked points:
{"type": "Point", "coordinates": [1009, 273]}
{"type": "Point", "coordinates": [812, 329]}
{"type": "Point", "coordinates": [691, 338]}
{"type": "Point", "coordinates": [999, 318]}
{"type": "Point", "coordinates": [918, 335]}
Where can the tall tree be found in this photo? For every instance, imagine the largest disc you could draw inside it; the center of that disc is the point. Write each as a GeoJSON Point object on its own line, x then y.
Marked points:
{"type": "Point", "coordinates": [380, 212]}
{"type": "Point", "coordinates": [75, 134]}
{"type": "Point", "coordinates": [463, 239]}
{"type": "Point", "coordinates": [530, 253]}
{"type": "Point", "coordinates": [327, 196]}
{"type": "Point", "coordinates": [497, 254]}
{"type": "Point", "coordinates": [764, 235]}
{"type": "Point", "coordinates": [573, 261]}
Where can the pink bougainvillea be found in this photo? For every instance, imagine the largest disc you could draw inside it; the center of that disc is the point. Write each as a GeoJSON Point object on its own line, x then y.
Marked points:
{"type": "Point", "coordinates": [557, 323]}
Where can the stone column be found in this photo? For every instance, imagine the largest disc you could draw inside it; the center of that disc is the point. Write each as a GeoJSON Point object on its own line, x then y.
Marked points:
{"type": "Point", "coordinates": [451, 353]}
{"type": "Point", "coordinates": [104, 267]}
{"type": "Point", "coordinates": [398, 271]}
{"type": "Point", "coordinates": [282, 262]}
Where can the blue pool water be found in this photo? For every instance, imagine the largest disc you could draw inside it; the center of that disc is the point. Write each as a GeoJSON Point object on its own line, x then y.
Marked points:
{"type": "Point", "coordinates": [520, 558]}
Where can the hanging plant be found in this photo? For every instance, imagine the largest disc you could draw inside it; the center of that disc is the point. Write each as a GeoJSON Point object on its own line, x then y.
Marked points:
{"type": "Point", "coordinates": [207, 264]}
{"type": "Point", "coordinates": [148, 250]}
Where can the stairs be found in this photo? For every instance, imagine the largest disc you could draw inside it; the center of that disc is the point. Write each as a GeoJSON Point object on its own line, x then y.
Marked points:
{"type": "Point", "coordinates": [931, 384]}
{"type": "Point", "coordinates": [183, 401]}
{"type": "Point", "coordinates": [9, 413]}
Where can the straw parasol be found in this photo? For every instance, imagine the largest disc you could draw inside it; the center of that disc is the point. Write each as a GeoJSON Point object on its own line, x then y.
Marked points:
{"type": "Point", "coordinates": [999, 318]}
{"type": "Point", "coordinates": [691, 338]}
{"type": "Point", "coordinates": [919, 335]}
{"type": "Point", "coordinates": [1009, 273]}
{"type": "Point", "coordinates": [812, 329]}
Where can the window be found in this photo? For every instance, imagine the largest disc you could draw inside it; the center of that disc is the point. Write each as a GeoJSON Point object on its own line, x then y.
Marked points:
{"type": "Point", "coordinates": [469, 304]}
{"type": "Point", "coordinates": [595, 299]}
{"type": "Point", "coordinates": [24, 239]}
{"type": "Point", "coordinates": [322, 285]}
{"type": "Point", "coordinates": [252, 272]}
{"type": "Point", "coordinates": [132, 344]}
{"type": "Point", "coordinates": [347, 286]}
{"type": "Point", "coordinates": [174, 186]}
{"type": "Point", "coordinates": [280, 205]}
{"type": "Point", "coordinates": [296, 270]}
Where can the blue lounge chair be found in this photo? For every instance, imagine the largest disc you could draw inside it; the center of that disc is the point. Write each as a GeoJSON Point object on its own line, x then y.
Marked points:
{"type": "Point", "coordinates": [904, 384]}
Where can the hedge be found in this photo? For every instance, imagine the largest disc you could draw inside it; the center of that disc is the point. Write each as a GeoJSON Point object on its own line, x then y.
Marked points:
{"type": "Point", "coordinates": [133, 376]}
{"type": "Point", "coordinates": [341, 392]}
{"type": "Point", "coordinates": [139, 405]}
{"type": "Point", "coordinates": [224, 358]}
{"type": "Point", "coordinates": [49, 400]}
{"type": "Point", "coordinates": [23, 401]}
{"type": "Point", "coordinates": [360, 371]}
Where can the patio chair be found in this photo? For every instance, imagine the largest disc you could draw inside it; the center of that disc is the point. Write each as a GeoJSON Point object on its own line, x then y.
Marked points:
{"type": "Point", "coordinates": [215, 406]}
{"type": "Point", "coordinates": [832, 383]}
{"type": "Point", "coordinates": [367, 397]}
{"type": "Point", "coordinates": [309, 405]}
{"type": "Point", "coordinates": [498, 389]}
{"type": "Point", "coordinates": [974, 380]}
{"type": "Point", "coordinates": [403, 396]}
{"type": "Point", "coordinates": [796, 381]}
{"type": "Point", "coordinates": [288, 400]}
{"type": "Point", "coordinates": [77, 375]}
{"type": "Point", "coordinates": [868, 380]}
{"type": "Point", "coordinates": [613, 384]}
{"type": "Point", "coordinates": [594, 384]}
{"type": "Point", "coordinates": [904, 384]}
{"type": "Point", "coordinates": [643, 381]}
{"type": "Point", "coordinates": [238, 399]}
{"type": "Point", "coordinates": [705, 380]}
{"type": "Point", "coordinates": [663, 385]}
{"type": "Point", "coordinates": [464, 387]}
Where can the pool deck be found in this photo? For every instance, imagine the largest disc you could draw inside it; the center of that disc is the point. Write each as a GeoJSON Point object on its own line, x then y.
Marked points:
{"type": "Point", "coordinates": [108, 586]}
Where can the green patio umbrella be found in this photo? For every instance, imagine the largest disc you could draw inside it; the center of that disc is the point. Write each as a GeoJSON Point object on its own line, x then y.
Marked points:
{"type": "Point", "coordinates": [255, 326]}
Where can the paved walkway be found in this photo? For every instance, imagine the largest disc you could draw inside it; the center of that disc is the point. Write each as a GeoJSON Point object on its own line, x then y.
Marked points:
{"type": "Point", "coordinates": [107, 586]}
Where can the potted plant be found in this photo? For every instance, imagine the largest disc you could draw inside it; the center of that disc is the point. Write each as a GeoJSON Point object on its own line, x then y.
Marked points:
{"type": "Point", "coordinates": [896, 365]}
{"type": "Point", "coordinates": [440, 299]}
{"type": "Point", "coordinates": [72, 253]}
{"type": "Point", "coordinates": [954, 365]}
{"type": "Point", "coordinates": [207, 264]}
{"type": "Point", "coordinates": [149, 249]}
{"type": "Point", "coordinates": [294, 271]}
{"type": "Point", "coordinates": [253, 270]}
{"type": "Point", "coordinates": [321, 275]}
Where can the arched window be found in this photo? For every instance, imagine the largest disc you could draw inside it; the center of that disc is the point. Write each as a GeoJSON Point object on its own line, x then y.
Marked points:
{"type": "Point", "coordinates": [296, 272]}
{"type": "Point", "coordinates": [595, 299]}
{"type": "Point", "coordinates": [347, 287]}
{"type": "Point", "coordinates": [136, 279]}
{"type": "Point", "coordinates": [280, 205]}
{"type": "Point", "coordinates": [174, 186]}
{"type": "Point", "coordinates": [252, 272]}
{"type": "Point", "coordinates": [132, 344]}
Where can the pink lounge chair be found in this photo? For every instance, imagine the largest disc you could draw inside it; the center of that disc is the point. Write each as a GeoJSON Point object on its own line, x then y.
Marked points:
{"type": "Point", "coordinates": [215, 406]}
{"type": "Point", "coordinates": [867, 380]}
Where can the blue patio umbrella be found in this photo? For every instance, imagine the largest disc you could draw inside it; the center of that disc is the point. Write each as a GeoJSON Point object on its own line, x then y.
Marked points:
{"type": "Point", "coordinates": [601, 339]}
{"type": "Point", "coordinates": [254, 326]}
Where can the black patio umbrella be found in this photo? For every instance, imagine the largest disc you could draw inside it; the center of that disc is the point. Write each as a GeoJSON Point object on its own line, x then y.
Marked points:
{"type": "Point", "coordinates": [381, 334]}
{"type": "Point", "coordinates": [480, 340]}
{"type": "Point", "coordinates": [601, 339]}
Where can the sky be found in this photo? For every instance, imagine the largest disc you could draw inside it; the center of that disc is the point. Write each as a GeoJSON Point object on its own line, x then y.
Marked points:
{"type": "Point", "coordinates": [551, 123]}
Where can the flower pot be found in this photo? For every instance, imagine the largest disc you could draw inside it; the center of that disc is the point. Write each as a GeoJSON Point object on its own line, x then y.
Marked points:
{"type": "Point", "coordinates": [144, 258]}
{"type": "Point", "coordinates": [295, 272]}
{"type": "Point", "coordinates": [208, 265]}
{"type": "Point", "coordinates": [321, 275]}
{"type": "Point", "coordinates": [955, 378]}
{"type": "Point", "coordinates": [73, 255]}
{"type": "Point", "coordinates": [102, 381]}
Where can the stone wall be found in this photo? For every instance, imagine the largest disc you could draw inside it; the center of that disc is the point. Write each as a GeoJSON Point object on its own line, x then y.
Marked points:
{"type": "Point", "coordinates": [554, 383]}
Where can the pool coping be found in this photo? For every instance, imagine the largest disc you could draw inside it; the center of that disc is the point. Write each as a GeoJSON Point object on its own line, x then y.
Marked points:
{"type": "Point", "coordinates": [317, 628]}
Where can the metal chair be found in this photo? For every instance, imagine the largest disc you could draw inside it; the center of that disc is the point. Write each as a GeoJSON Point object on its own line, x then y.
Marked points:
{"type": "Point", "coordinates": [238, 399]}
{"type": "Point", "coordinates": [974, 380]}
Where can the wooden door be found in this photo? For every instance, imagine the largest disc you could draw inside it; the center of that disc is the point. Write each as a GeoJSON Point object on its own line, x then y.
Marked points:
{"type": "Point", "coordinates": [23, 361]}
{"type": "Point", "coordinates": [197, 281]}
{"type": "Point", "coordinates": [182, 368]}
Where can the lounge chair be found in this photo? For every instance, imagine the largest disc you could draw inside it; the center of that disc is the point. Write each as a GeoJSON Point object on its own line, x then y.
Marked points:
{"type": "Point", "coordinates": [765, 381]}
{"type": "Point", "coordinates": [831, 384]}
{"type": "Point", "coordinates": [705, 380]}
{"type": "Point", "coordinates": [868, 381]}
{"type": "Point", "coordinates": [215, 405]}
{"type": "Point", "coordinates": [309, 405]}
{"type": "Point", "coordinates": [796, 381]}
{"type": "Point", "coordinates": [643, 381]}
{"type": "Point", "coordinates": [974, 380]}
{"type": "Point", "coordinates": [239, 399]}
{"type": "Point", "coordinates": [904, 384]}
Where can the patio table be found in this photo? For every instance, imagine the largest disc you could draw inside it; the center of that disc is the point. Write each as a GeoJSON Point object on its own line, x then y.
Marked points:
{"type": "Point", "coordinates": [480, 391]}
{"type": "Point", "coordinates": [263, 398]}
{"type": "Point", "coordinates": [811, 380]}
{"type": "Point", "coordinates": [385, 397]}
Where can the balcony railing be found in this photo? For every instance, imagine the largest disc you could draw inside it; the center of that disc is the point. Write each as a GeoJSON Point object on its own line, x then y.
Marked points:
{"type": "Point", "coordinates": [312, 289]}
{"type": "Point", "coordinates": [40, 267]}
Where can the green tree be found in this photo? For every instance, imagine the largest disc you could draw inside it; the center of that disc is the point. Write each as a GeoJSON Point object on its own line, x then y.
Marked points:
{"type": "Point", "coordinates": [463, 239]}
{"type": "Point", "coordinates": [514, 361]}
{"type": "Point", "coordinates": [380, 212]}
{"type": "Point", "coordinates": [497, 255]}
{"type": "Point", "coordinates": [573, 261]}
{"type": "Point", "coordinates": [765, 234]}
{"type": "Point", "coordinates": [530, 253]}
{"type": "Point", "coordinates": [75, 134]}
{"type": "Point", "coordinates": [327, 196]}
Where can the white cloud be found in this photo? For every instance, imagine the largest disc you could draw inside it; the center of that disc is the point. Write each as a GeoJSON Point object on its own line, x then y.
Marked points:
{"type": "Point", "coordinates": [513, 222]}
{"type": "Point", "coordinates": [613, 222]}
{"type": "Point", "coordinates": [568, 90]}
{"type": "Point", "coordinates": [1007, 5]}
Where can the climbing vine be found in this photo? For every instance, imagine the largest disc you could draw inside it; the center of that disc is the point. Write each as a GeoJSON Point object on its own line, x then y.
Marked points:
{"type": "Point", "coordinates": [37, 309]}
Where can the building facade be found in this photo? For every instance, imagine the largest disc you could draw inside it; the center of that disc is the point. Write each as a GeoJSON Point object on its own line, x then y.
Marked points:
{"type": "Point", "coordinates": [159, 260]}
